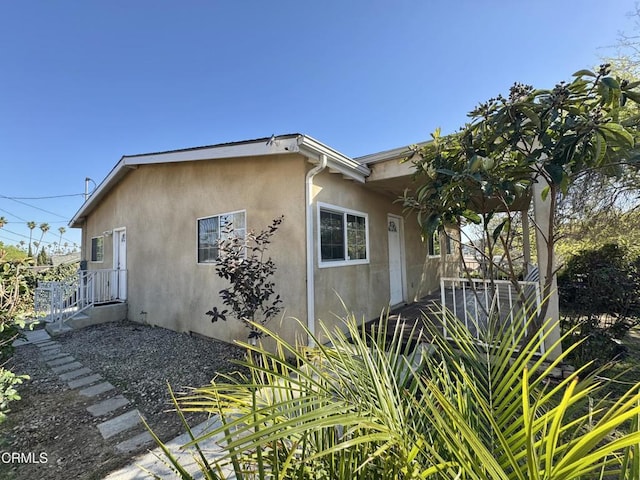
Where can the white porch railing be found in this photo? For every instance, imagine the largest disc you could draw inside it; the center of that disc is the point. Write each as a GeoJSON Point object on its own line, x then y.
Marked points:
{"type": "Point", "coordinates": [60, 300]}
{"type": "Point", "coordinates": [476, 302]}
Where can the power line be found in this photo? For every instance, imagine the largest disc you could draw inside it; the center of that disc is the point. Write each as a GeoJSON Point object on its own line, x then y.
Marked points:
{"type": "Point", "coordinates": [4, 230]}
{"type": "Point", "coordinates": [45, 198]}
{"type": "Point", "coordinates": [57, 222]}
{"type": "Point", "coordinates": [13, 215]}
{"type": "Point", "coordinates": [33, 206]}
{"type": "Point", "coordinates": [27, 221]}
{"type": "Point", "coordinates": [14, 233]}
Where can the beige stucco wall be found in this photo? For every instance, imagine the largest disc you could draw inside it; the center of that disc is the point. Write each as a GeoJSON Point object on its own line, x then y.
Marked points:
{"type": "Point", "coordinates": [365, 289]}
{"type": "Point", "coordinates": [444, 265]}
{"type": "Point", "coordinates": [159, 206]}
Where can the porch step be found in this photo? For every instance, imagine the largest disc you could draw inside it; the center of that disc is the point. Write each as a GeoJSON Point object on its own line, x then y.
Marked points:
{"type": "Point", "coordinates": [78, 321]}
{"type": "Point", "coordinates": [55, 329]}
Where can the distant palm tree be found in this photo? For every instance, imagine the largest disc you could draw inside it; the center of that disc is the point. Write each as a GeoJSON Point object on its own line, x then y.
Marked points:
{"type": "Point", "coordinates": [22, 242]}
{"type": "Point", "coordinates": [44, 227]}
{"type": "Point", "coordinates": [61, 230]}
{"type": "Point", "coordinates": [3, 222]}
{"type": "Point", "coordinates": [31, 226]}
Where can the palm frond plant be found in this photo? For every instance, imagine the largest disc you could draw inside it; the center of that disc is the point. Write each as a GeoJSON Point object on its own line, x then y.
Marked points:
{"type": "Point", "coordinates": [367, 405]}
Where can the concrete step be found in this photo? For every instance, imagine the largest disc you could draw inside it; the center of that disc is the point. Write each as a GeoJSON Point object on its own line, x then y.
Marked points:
{"type": "Point", "coordinates": [53, 355]}
{"type": "Point", "coordinates": [155, 463]}
{"type": "Point", "coordinates": [85, 381]}
{"type": "Point", "coordinates": [67, 367]}
{"type": "Point", "coordinates": [52, 347]}
{"type": "Point", "coordinates": [79, 321]}
{"type": "Point", "coordinates": [119, 424]}
{"type": "Point", "coordinates": [111, 312]}
{"type": "Point", "coordinates": [32, 336]}
{"type": "Point", "coordinates": [81, 371]}
{"type": "Point", "coordinates": [95, 390]}
{"type": "Point", "coordinates": [55, 329]}
{"type": "Point", "coordinates": [108, 405]}
{"type": "Point", "coordinates": [135, 443]}
{"type": "Point", "coordinates": [61, 361]}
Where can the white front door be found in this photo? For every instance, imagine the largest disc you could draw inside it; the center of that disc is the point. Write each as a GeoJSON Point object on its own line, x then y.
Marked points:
{"type": "Point", "coordinates": [119, 288]}
{"type": "Point", "coordinates": [396, 260]}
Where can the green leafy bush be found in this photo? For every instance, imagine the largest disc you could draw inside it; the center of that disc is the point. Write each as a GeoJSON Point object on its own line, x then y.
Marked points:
{"type": "Point", "coordinates": [8, 392]}
{"type": "Point", "coordinates": [14, 300]}
{"type": "Point", "coordinates": [370, 407]}
{"type": "Point", "coordinates": [599, 293]}
{"type": "Point", "coordinates": [13, 293]}
{"type": "Point", "coordinates": [251, 295]}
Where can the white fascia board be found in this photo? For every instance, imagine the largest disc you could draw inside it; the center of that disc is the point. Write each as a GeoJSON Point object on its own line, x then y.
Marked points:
{"type": "Point", "coordinates": [336, 161]}
{"type": "Point", "coordinates": [250, 149]}
{"type": "Point", "coordinates": [276, 146]}
{"type": "Point", "coordinates": [393, 154]}
{"type": "Point", "coordinates": [113, 177]}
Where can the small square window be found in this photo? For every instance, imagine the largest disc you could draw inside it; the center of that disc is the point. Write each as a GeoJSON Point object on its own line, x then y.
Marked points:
{"type": "Point", "coordinates": [213, 229]}
{"type": "Point", "coordinates": [343, 236]}
{"type": "Point", "coordinates": [434, 245]}
{"type": "Point", "coordinates": [97, 249]}
{"type": "Point", "coordinates": [331, 236]}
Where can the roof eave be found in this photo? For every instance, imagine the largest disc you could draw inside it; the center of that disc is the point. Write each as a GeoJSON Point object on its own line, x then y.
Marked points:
{"type": "Point", "coordinates": [399, 153]}
{"type": "Point", "coordinates": [292, 143]}
{"type": "Point", "coordinates": [336, 162]}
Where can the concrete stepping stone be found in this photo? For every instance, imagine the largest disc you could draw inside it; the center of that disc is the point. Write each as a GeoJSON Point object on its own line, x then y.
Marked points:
{"type": "Point", "coordinates": [135, 443]}
{"type": "Point", "coordinates": [84, 381]}
{"type": "Point", "coordinates": [53, 355]}
{"type": "Point", "coordinates": [33, 336]}
{"type": "Point", "coordinates": [61, 361]}
{"type": "Point", "coordinates": [96, 390]}
{"type": "Point", "coordinates": [67, 367]}
{"type": "Point", "coordinates": [119, 424]}
{"type": "Point", "coordinates": [46, 344]}
{"type": "Point", "coordinates": [51, 348]}
{"type": "Point", "coordinates": [53, 351]}
{"type": "Point", "coordinates": [108, 405]}
{"type": "Point", "coordinates": [74, 374]}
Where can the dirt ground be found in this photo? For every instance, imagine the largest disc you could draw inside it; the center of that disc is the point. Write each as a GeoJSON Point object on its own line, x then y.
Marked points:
{"type": "Point", "coordinates": [53, 436]}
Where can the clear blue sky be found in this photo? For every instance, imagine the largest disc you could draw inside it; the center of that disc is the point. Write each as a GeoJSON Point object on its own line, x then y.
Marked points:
{"type": "Point", "coordinates": [84, 82]}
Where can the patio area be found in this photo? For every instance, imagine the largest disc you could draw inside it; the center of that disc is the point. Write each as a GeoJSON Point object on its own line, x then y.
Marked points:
{"type": "Point", "coordinates": [476, 303]}
{"type": "Point", "coordinates": [413, 319]}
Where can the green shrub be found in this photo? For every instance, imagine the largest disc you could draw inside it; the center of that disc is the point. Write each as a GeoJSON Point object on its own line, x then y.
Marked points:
{"type": "Point", "coordinates": [8, 392]}
{"type": "Point", "coordinates": [599, 293]}
{"type": "Point", "coordinates": [243, 263]}
{"type": "Point", "coordinates": [13, 300]}
{"type": "Point", "coordinates": [368, 407]}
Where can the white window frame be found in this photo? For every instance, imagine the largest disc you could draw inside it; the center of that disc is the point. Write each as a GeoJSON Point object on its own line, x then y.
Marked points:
{"type": "Point", "coordinates": [244, 229]}
{"type": "Point", "coordinates": [437, 240]}
{"type": "Point", "coordinates": [99, 237]}
{"type": "Point", "coordinates": [344, 211]}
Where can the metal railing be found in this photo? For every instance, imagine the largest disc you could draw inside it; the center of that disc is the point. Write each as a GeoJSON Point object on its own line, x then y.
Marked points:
{"type": "Point", "coordinates": [57, 301]}
{"type": "Point", "coordinates": [478, 302]}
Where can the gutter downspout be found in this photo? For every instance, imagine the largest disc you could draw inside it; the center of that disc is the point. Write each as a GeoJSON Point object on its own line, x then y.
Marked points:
{"type": "Point", "coordinates": [311, 297]}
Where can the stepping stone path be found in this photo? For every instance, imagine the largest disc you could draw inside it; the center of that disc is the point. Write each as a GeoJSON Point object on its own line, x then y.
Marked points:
{"type": "Point", "coordinates": [108, 404]}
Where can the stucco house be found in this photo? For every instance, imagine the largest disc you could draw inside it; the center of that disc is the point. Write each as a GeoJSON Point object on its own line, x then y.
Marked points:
{"type": "Point", "coordinates": [150, 228]}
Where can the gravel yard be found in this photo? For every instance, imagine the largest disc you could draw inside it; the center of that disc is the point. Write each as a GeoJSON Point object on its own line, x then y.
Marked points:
{"type": "Point", "coordinates": [138, 360]}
